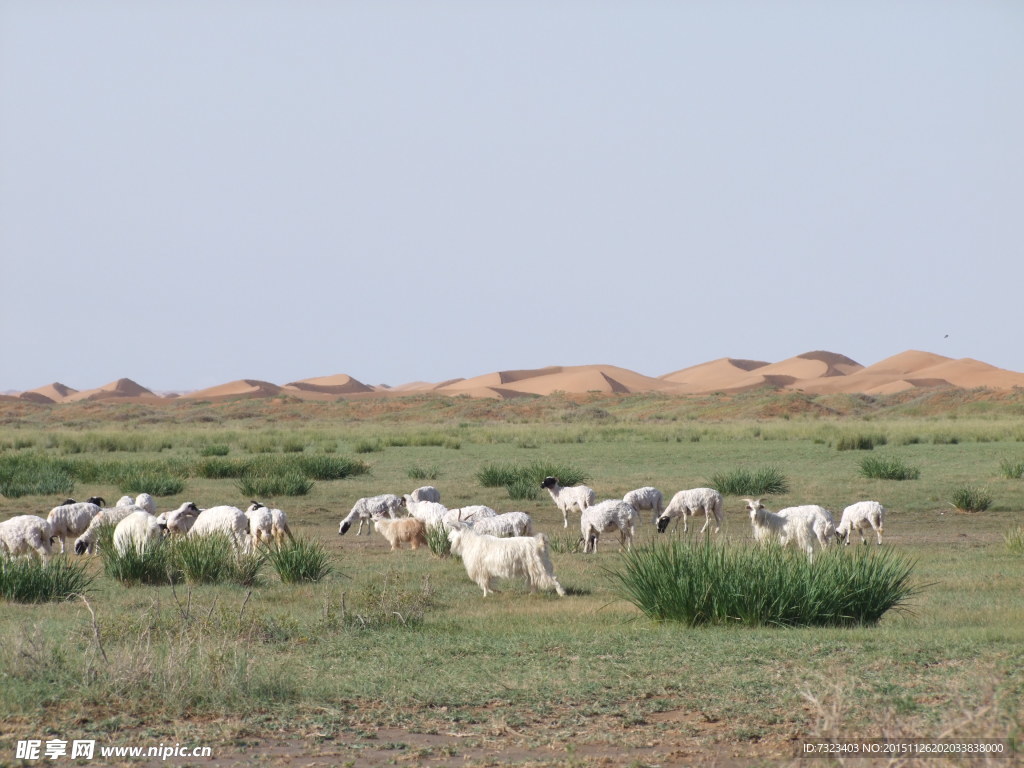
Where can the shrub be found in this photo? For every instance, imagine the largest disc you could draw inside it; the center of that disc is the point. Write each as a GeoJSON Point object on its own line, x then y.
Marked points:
{"type": "Point", "coordinates": [700, 583]}
{"type": "Point", "coordinates": [1012, 470]}
{"type": "Point", "coordinates": [299, 561]}
{"type": "Point", "coordinates": [217, 468]}
{"type": "Point", "coordinates": [764, 481]}
{"type": "Point", "coordinates": [969, 499]}
{"type": "Point", "coordinates": [29, 580]}
{"type": "Point", "coordinates": [523, 488]}
{"type": "Point", "coordinates": [891, 468]}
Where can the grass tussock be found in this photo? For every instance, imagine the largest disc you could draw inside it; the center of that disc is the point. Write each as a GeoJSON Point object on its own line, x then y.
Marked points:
{"type": "Point", "coordinates": [259, 484]}
{"type": "Point", "coordinates": [967, 498]}
{"type": "Point", "coordinates": [860, 442]}
{"type": "Point", "coordinates": [437, 541]}
{"type": "Point", "coordinates": [887, 468]}
{"type": "Point", "coordinates": [1011, 470]}
{"type": "Point", "coordinates": [299, 561]}
{"type": "Point", "coordinates": [29, 580]}
{"type": "Point", "coordinates": [712, 583]}
{"type": "Point", "coordinates": [764, 481]}
{"type": "Point", "coordinates": [523, 480]}
{"type": "Point", "coordinates": [34, 474]}
{"type": "Point", "coordinates": [211, 559]}
{"type": "Point", "coordinates": [1015, 540]}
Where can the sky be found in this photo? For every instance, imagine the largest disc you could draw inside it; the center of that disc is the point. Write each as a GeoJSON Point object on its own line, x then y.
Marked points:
{"type": "Point", "coordinates": [199, 191]}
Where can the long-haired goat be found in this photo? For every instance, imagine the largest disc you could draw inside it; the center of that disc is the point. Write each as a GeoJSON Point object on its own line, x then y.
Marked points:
{"type": "Point", "coordinates": [402, 530]}
{"type": "Point", "coordinates": [487, 558]}
{"type": "Point", "coordinates": [798, 530]}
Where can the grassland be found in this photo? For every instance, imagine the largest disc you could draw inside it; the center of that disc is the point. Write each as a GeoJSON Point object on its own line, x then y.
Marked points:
{"type": "Point", "coordinates": [395, 658]}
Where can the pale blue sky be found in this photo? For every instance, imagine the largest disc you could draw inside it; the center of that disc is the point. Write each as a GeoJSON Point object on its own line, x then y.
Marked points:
{"type": "Point", "coordinates": [193, 192]}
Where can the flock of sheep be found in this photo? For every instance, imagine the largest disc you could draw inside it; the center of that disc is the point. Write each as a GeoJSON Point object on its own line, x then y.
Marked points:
{"type": "Point", "coordinates": [491, 545]}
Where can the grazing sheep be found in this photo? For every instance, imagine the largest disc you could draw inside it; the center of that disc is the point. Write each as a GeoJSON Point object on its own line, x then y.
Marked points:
{"type": "Point", "coordinates": [71, 519]}
{"type": "Point", "coordinates": [821, 521]}
{"type": "Point", "coordinates": [146, 502]}
{"type": "Point", "coordinates": [224, 519]}
{"type": "Point", "coordinates": [125, 501]}
{"type": "Point", "coordinates": [25, 534]}
{"type": "Point", "coordinates": [430, 512]}
{"type": "Point", "coordinates": [366, 508]}
{"type": "Point", "coordinates": [610, 515]}
{"type": "Point", "coordinates": [507, 524]}
{"type": "Point", "coordinates": [647, 497]}
{"type": "Point", "coordinates": [180, 521]}
{"type": "Point", "coordinates": [798, 529]}
{"type": "Point", "coordinates": [424, 493]}
{"type": "Point", "coordinates": [138, 531]}
{"type": "Point", "coordinates": [261, 523]}
{"type": "Point", "coordinates": [469, 514]}
{"type": "Point", "coordinates": [861, 516]}
{"type": "Point", "coordinates": [278, 522]}
{"type": "Point", "coordinates": [107, 516]}
{"type": "Point", "coordinates": [402, 530]}
{"type": "Point", "coordinates": [566, 499]}
{"type": "Point", "coordinates": [688, 503]}
{"type": "Point", "coordinates": [487, 558]}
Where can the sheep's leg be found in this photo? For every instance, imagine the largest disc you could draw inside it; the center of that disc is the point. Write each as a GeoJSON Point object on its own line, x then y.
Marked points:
{"type": "Point", "coordinates": [684, 516]}
{"type": "Point", "coordinates": [707, 521]}
{"type": "Point", "coordinates": [565, 518]}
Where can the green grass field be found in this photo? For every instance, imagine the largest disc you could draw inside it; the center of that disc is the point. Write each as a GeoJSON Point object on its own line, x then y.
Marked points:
{"type": "Point", "coordinates": [395, 658]}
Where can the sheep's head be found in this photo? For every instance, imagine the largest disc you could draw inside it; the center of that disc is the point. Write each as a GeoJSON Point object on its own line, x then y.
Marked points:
{"type": "Point", "coordinates": [81, 547]}
{"type": "Point", "coordinates": [756, 510]}
{"type": "Point", "coordinates": [254, 505]}
{"type": "Point", "coordinates": [549, 482]}
{"type": "Point", "coordinates": [455, 539]}
{"type": "Point", "coordinates": [99, 501]}
{"type": "Point", "coordinates": [663, 522]}
{"type": "Point", "coordinates": [343, 528]}
{"type": "Point", "coordinates": [66, 502]}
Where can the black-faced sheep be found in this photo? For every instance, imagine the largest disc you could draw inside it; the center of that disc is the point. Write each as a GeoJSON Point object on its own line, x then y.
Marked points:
{"type": "Point", "coordinates": [566, 499]}
{"type": "Point", "coordinates": [71, 519]}
{"type": "Point", "coordinates": [364, 510]}
{"type": "Point", "coordinates": [688, 503]}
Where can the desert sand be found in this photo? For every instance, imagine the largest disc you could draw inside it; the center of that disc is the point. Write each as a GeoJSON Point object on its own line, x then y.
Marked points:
{"type": "Point", "coordinates": [816, 372]}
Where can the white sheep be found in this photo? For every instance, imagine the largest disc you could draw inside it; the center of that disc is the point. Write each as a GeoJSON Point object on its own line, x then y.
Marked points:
{"type": "Point", "coordinates": [137, 532]}
{"type": "Point", "coordinates": [278, 522]}
{"type": "Point", "coordinates": [647, 497]}
{"type": "Point", "coordinates": [423, 493]}
{"type": "Point", "coordinates": [146, 502]}
{"type": "Point", "coordinates": [180, 521]}
{"type": "Point", "coordinates": [402, 530]}
{"type": "Point", "coordinates": [430, 512]}
{"type": "Point", "coordinates": [25, 534]}
{"type": "Point", "coordinates": [566, 499]}
{"type": "Point", "coordinates": [71, 519]}
{"type": "Point", "coordinates": [688, 503]}
{"type": "Point", "coordinates": [125, 501]}
{"type": "Point", "coordinates": [822, 522]}
{"type": "Point", "coordinates": [504, 525]}
{"type": "Point", "coordinates": [487, 558]}
{"type": "Point", "coordinates": [608, 516]}
{"type": "Point", "coordinates": [261, 523]}
{"type": "Point", "coordinates": [469, 514]}
{"type": "Point", "coordinates": [107, 516]}
{"type": "Point", "coordinates": [797, 530]}
{"type": "Point", "coordinates": [384, 505]}
{"type": "Point", "coordinates": [224, 519]}
{"type": "Point", "coordinates": [860, 516]}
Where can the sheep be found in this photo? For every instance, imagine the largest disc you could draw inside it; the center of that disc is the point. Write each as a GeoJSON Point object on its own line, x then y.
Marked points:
{"type": "Point", "coordinates": [687, 503]}
{"type": "Point", "coordinates": [610, 515]}
{"type": "Point", "coordinates": [578, 496]}
{"type": "Point", "coordinates": [861, 516]}
{"type": "Point", "coordinates": [107, 516]}
{"type": "Point", "coordinates": [25, 534]}
{"type": "Point", "coordinates": [224, 519]}
{"type": "Point", "coordinates": [180, 521]}
{"type": "Point", "coordinates": [71, 519]}
{"type": "Point", "coordinates": [647, 497]}
{"type": "Point", "coordinates": [430, 512]}
{"type": "Point", "coordinates": [797, 529]}
{"type": "Point", "coordinates": [138, 531]}
{"type": "Point", "coordinates": [384, 505]}
{"type": "Point", "coordinates": [278, 522]}
{"type": "Point", "coordinates": [125, 501]}
{"type": "Point", "coordinates": [261, 523]}
{"type": "Point", "coordinates": [424, 493]}
{"type": "Point", "coordinates": [821, 521]}
{"type": "Point", "coordinates": [146, 502]}
{"type": "Point", "coordinates": [487, 558]}
{"type": "Point", "coordinates": [508, 524]}
{"type": "Point", "coordinates": [468, 514]}
{"type": "Point", "coordinates": [402, 530]}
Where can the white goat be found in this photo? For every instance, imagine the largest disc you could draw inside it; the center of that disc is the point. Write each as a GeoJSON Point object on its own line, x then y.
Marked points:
{"type": "Point", "coordinates": [402, 530]}
{"type": "Point", "coordinates": [487, 558]}
{"type": "Point", "coordinates": [797, 530]}
{"type": "Point", "coordinates": [424, 493]}
{"type": "Point", "coordinates": [107, 516]}
{"type": "Point", "coordinates": [647, 497]}
{"type": "Point", "coordinates": [384, 505]}
{"type": "Point", "coordinates": [430, 512]}
{"type": "Point", "coordinates": [25, 534]}
{"type": "Point", "coordinates": [861, 516]}
{"type": "Point", "coordinates": [470, 514]}
{"type": "Point", "coordinates": [507, 524]}
{"type": "Point", "coordinates": [608, 516]}
{"type": "Point", "coordinates": [688, 503]}
{"type": "Point", "coordinates": [71, 519]}
{"type": "Point", "coordinates": [821, 521]}
{"type": "Point", "coordinates": [138, 532]}
{"type": "Point", "coordinates": [566, 499]}
{"type": "Point", "coordinates": [224, 519]}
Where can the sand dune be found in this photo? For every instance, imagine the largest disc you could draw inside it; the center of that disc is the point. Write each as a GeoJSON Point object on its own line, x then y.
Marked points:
{"type": "Point", "coordinates": [817, 372]}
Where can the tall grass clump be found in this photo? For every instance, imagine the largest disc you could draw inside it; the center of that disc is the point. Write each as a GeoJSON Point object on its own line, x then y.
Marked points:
{"type": "Point", "coordinates": [214, 450]}
{"type": "Point", "coordinates": [764, 481]}
{"type": "Point", "coordinates": [34, 474]}
{"type": "Point", "coordinates": [967, 498]}
{"type": "Point", "coordinates": [1015, 540]}
{"type": "Point", "coordinates": [256, 484]}
{"type": "Point", "coordinates": [152, 564]}
{"type": "Point", "coordinates": [417, 472]}
{"type": "Point", "coordinates": [328, 467]}
{"type": "Point", "coordinates": [887, 468]}
{"type": "Point", "coordinates": [29, 580]}
{"type": "Point", "coordinates": [860, 442]}
{"type": "Point", "coordinates": [1011, 470]}
{"type": "Point", "coordinates": [703, 583]}
{"type": "Point", "coordinates": [214, 559]}
{"type": "Point", "coordinates": [157, 482]}
{"type": "Point", "coordinates": [299, 561]}
{"type": "Point", "coordinates": [437, 541]}
{"type": "Point", "coordinates": [220, 468]}
{"type": "Point", "coordinates": [496, 475]}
